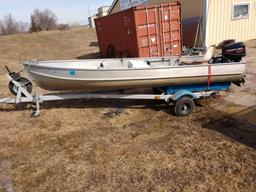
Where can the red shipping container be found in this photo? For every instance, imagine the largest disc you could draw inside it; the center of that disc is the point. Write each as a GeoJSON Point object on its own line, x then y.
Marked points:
{"type": "Point", "coordinates": [143, 31]}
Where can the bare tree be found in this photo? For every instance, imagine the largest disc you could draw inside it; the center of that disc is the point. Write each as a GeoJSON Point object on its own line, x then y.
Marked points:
{"type": "Point", "coordinates": [9, 26]}
{"type": "Point", "coordinates": [43, 20]}
{"type": "Point", "coordinates": [23, 26]}
{"type": "Point", "coordinates": [2, 28]}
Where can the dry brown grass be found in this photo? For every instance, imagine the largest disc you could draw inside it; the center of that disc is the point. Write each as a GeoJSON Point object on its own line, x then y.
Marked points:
{"type": "Point", "coordinates": [118, 145]}
{"type": "Point", "coordinates": [251, 43]}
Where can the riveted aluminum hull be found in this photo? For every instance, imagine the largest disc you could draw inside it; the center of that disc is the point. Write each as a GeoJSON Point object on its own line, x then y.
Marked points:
{"type": "Point", "coordinates": [87, 75]}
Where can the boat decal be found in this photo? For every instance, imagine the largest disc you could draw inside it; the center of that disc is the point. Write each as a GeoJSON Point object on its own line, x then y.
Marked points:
{"type": "Point", "coordinates": [72, 72]}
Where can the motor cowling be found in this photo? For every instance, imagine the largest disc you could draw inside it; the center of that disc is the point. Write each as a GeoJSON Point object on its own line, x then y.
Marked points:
{"type": "Point", "coordinates": [234, 51]}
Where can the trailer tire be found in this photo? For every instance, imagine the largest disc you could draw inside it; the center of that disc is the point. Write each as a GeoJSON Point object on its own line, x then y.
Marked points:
{"type": "Point", "coordinates": [184, 106]}
{"type": "Point", "coordinates": [26, 84]}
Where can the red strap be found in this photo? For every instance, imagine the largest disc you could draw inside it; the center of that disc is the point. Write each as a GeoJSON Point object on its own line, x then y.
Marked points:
{"type": "Point", "coordinates": [209, 75]}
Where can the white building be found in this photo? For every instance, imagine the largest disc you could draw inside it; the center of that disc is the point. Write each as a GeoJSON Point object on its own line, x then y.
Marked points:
{"type": "Point", "coordinates": [91, 21]}
{"type": "Point", "coordinates": [102, 11]}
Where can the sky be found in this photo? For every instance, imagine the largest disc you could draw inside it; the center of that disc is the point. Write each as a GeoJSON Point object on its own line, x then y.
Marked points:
{"type": "Point", "coordinates": [67, 11]}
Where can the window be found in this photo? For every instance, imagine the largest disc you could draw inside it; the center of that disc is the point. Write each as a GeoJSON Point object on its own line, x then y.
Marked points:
{"type": "Point", "coordinates": [241, 11]}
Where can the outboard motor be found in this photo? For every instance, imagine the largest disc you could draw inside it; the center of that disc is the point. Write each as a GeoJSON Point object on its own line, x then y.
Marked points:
{"type": "Point", "coordinates": [234, 51]}
{"type": "Point", "coordinates": [231, 52]}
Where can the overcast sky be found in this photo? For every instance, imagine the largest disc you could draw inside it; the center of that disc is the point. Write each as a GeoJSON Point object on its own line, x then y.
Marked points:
{"type": "Point", "coordinates": [67, 11]}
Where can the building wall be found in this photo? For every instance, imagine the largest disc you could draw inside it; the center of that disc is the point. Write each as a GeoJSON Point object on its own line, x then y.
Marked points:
{"type": "Point", "coordinates": [221, 26]}
{"type": "Point", "coordinates": [91, 21]}
{"type": "Point", "coordinates": [102, 14]}
{"type": "Point", "coordinates": [191, 12]}
{"type": "Point", "coordinates": [103, 9]}
{"type": "Point", "coordinates": [116, 7]}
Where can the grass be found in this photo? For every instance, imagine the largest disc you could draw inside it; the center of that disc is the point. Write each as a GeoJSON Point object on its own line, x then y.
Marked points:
{"type": "Point", "coordinates": [111, 145]}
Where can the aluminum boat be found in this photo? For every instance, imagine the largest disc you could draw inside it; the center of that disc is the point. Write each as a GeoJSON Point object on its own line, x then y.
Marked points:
{"type": "Point", "coordinates": [120, 74]}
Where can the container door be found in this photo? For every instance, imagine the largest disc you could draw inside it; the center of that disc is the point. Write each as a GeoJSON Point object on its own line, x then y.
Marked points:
{"type": "Point", "coordinates": [158, 30]}
{"type": "Point", "coordinates": [148, 32]}
{"type": "Point", "coordinates": [169, 29]}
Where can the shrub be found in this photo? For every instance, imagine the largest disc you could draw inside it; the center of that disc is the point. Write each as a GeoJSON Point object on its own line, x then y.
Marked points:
{"type": "Point", "coordinates": [9, 26]}
{"type": "Point", "coordinates": [43, 20]}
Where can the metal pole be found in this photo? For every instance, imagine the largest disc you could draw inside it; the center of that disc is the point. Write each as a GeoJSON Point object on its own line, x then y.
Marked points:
{"type": "Point", "coordinates": [37, 100]}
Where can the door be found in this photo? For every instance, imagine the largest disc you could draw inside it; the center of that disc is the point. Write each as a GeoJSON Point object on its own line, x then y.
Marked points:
{"type": "Point", "coordinates": [158, 30]}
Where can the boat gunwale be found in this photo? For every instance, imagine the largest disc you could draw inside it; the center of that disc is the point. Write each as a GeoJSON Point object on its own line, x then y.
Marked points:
{"type": "Point", "coordinates": [128, 69]}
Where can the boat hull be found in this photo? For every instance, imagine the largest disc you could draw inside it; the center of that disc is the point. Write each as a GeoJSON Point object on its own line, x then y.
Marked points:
{"type": "Point", "coordinates": [57, 79]}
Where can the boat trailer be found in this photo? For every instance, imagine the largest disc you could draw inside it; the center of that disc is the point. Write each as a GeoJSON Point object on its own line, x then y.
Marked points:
{"type": "Point", "coordinates": [183, 99]}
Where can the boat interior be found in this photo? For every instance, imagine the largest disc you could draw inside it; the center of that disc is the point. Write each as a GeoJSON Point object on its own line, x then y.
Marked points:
{"type": "Point", "coordinates": [131, 63]}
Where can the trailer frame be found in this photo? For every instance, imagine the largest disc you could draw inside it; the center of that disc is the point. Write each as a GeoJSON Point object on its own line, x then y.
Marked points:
{"type": "Point", "coordinates": [23, 96]}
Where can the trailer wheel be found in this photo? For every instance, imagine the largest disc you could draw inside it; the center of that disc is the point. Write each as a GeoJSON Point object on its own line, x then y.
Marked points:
{"type": "Point", "coordinates": [184, 106]}
{"type": "Point", "coordinates": [25, 83]}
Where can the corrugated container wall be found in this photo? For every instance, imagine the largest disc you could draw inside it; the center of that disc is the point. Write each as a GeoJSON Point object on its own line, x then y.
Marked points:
{"type": "Point", "coordinates": [143, 31]}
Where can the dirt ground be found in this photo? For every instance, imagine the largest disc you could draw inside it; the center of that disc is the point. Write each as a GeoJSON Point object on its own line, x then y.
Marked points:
{"type": "Point", "coordinates": [96, 145]}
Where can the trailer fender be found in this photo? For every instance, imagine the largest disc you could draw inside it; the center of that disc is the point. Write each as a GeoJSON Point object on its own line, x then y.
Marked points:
{"type": "Point", "coordinates": [181, 93]}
